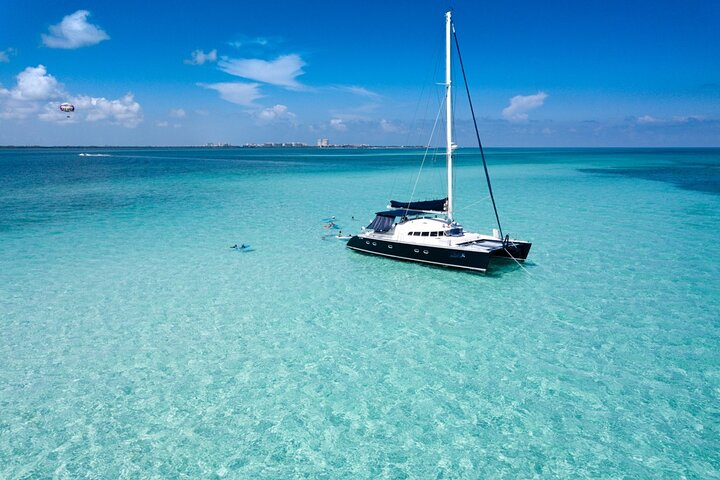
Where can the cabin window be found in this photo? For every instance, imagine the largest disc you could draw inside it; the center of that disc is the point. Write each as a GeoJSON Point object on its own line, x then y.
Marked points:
{"type": "Point", "coordinates": [425, 234]}
{"type": "Point", "coordinates": [417, 250]}
{"type": "Point", "coordinates": [425, 252]}
{"type": "Point", "coordinates": [433, 234]}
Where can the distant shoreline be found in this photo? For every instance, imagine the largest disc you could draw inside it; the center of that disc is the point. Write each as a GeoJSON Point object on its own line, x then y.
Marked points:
{"type": "Point", "coordinates": [336, 147]}
{"type": "Point", "coordinates": [226, 147]}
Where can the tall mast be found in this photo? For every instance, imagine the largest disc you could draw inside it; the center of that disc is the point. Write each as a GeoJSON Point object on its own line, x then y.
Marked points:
{"type": "Point", "coordinates": [448, 105]}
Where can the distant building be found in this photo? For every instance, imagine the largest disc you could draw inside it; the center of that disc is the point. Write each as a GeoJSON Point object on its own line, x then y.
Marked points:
{"type": "Point", "coordinates": [276, 145]}
{"type": "Point", "coordinates": [323, 142]}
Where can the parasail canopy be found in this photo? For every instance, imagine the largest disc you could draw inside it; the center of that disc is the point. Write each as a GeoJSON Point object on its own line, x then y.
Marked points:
{"type": "Point", "coordinates": [67, 107]}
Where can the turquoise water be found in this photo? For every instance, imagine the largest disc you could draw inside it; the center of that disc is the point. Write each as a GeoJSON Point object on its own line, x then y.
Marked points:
{"type": "Point", "coordinates": [134, 343]}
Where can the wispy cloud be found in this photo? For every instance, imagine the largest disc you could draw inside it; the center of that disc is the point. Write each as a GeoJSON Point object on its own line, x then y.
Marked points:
{"type": "Point", "coordinates": [649, 120]}
{"type": "Point", "coordinates": [356, 90]}
{"type": "Point", "coordinates": [74, 32]}
{"type": "Point", "coordinates": [5, 55]}
{"type": "Point", "coordinates": [254, 41]}
{"type": "Point", "coordinates": [198, 57]}
{"type": "Point", "coordinates": [283, 71]}
{"type": "Point", "coordinates": [521, 104]}
{"type": "Point", "coordinates": [645, 119]}
{"type": "Point", "coordinates": [689, 118]}
{"type": "Point", "coordinates": [236, 92]}
{"type": "Point", "coordinates": [178, 113]}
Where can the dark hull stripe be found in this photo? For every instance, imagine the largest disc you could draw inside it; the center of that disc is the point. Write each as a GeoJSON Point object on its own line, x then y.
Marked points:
{"type": "Point", "coordinates": [417, 260]}
{"type": "Point", "coordinates": [442, 256]}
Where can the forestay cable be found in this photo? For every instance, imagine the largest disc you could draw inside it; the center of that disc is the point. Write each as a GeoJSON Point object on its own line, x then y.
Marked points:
{"type": "Point", "coordinates": [477, 132]}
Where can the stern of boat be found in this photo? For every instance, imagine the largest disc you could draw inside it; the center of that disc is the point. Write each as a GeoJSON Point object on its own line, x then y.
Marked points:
{"type": "Point", "coordinates": [516, 249]}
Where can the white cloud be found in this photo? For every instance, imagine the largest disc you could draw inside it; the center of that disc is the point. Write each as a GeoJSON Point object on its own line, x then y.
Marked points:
{"type": "Point", "coordinates": [521, 104]}
{"type": "Point", "coordinates": [162, 124]}
{"type": "Point", "coordinates": [178, 113]}
{"type": "Point", "coordinates": [240, 93]}
{"type": "Point", "coordinates": [34, 83]}
{"type": "Point", "coordinates": [388, 126]}
{"type": "Point", "coordinates": [17, 110]}
{"type": "Point", "coordinates": [278, 112]}
{"type": "Point", "coordinates": [5, 55]}
{"type": "Point", "coordinates": [274, 112]}
{"type": "Point", "coordinates": [282, 71]}
{"type": "Point", "coordinates": [74, 32]}
{"type": "Point", "coordinates": [124, 111]}
{"type": "Point", "coordinates": [199, 57]}
{"type": "Point", "coordinates": [38, 91]}
{"type": "Point", "coordinates": [338, 124]}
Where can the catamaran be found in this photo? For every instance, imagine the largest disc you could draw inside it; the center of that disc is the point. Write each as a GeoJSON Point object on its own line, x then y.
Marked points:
{"type": "Point", "coordinates": [427, 231]}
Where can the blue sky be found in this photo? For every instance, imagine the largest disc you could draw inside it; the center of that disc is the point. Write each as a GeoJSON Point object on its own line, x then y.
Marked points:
{"type": "Point", "coordinates": [558, 73]}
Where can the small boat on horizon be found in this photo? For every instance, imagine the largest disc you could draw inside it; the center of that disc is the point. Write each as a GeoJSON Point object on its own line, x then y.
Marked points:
{"type": "Point", "coordinates": [427, 231]}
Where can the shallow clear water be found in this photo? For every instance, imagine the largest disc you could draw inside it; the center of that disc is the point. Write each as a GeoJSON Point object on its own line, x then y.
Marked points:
{"type": "Point", "coordinates": [134, 343]}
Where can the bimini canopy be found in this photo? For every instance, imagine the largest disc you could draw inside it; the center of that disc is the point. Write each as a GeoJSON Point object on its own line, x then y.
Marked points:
{"type": "Point", "coordinates": [432, 205]}
{"type": "Point", "coordinates": [384, 220]}
{"type": "Point", "coordinates": [381, 223]}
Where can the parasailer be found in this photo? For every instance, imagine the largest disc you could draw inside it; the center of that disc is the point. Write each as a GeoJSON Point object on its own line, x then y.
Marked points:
{"type": "Point", "coordinates": [67, 108]}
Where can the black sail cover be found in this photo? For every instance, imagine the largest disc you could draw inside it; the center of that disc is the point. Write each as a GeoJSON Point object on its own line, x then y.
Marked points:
{"type": "Point", "coordinates": [432, 205]}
